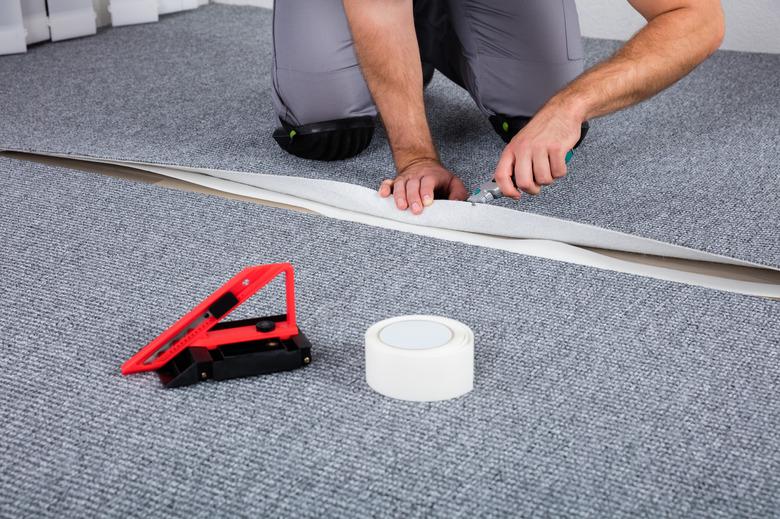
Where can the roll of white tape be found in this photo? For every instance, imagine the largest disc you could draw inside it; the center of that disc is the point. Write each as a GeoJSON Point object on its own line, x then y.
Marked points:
{"type": "Point", "coordinates": [420, 358]}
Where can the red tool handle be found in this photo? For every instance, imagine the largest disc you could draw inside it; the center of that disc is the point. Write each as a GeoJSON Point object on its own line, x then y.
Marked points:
{"type": "Point", "coordinates": [194, 327]}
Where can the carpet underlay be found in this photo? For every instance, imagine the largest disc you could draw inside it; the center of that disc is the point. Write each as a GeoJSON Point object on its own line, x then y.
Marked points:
{"type": "Point", "coordinates": [597, 393]}
{"type": "Point", "coordinates": [694, 168]}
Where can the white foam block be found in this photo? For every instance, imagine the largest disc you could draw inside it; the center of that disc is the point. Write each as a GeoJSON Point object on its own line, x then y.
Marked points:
{"type": "Point", "coordinates": [12, 33]}
{"type": "Point", "coordinates": [71, 19]}
{"type": "Point", "coordinates": [421, 358]}
{"type": "Point", "coordinates": [131, 12]}
{"type": "Point", "coordinates": [35, 20]}
{"type": "Point", "coordinates": [172, 6]}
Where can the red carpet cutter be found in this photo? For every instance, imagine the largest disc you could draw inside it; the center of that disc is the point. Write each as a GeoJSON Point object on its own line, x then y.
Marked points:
{"type": "Point", "coordinates": [200, 347]}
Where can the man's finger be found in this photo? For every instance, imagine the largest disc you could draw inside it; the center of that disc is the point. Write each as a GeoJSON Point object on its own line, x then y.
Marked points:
{"type": "Point", "coordinates": [399, 193]}
{"type": "Point", "coordinates": [503, 175]}
{"type": "Point", "coordinates": [385, 188]}
{"type": "Point", "coordinates": [413, 195]}
{"type": "Point", "coordinates": [458, 189]}
{"type": "Point", "coordinates": [541, 162]}
{"type": "Point", "coordinates": [427, 188]}
{"type": "Point", "coordinates": [524, 175]}
{"type": "Point", "coordinates": [558, 163]}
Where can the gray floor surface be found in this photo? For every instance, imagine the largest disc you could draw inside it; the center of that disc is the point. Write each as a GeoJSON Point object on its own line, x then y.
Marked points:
{"type": "Point", "coordinates": [597, 393]}
{"type": "Point", "coordinates": [696, 166]}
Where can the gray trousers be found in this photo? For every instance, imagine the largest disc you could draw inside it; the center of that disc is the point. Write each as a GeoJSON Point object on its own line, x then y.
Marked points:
{"type": "Point", "coordinates": [511, 55]}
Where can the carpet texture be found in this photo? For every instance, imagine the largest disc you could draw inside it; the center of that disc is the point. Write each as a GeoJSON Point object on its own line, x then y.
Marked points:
{"type": "Point", "coordinates": [696, 166]}
{"type": "Point", "coordinates": [597, 393]}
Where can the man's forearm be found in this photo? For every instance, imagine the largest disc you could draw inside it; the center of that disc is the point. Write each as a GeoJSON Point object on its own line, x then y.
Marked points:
{"type": "Point", "coordinates": [671, 45]}
{"type": "Point", "coordinates": [386, 45]}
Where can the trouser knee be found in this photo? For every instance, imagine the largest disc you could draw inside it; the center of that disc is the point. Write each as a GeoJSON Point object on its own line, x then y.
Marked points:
{"type": "Point", "coordinates": [319, 93]}
{"type": "Point", "coordinates": [330, 140]}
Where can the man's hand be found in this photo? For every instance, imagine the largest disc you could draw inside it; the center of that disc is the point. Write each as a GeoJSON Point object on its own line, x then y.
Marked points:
{"type": "Point", "coordinates": [418, 183]}
{"type": "Point", "coordinates": [395, 81]}
{"type": "Point", "coordinates": [536, 156]}
{"type": "Point", "coordinates": [679, 35]}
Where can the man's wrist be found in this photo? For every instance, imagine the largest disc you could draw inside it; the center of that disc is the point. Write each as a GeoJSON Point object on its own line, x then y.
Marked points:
{"type": "Point", "coordinates": [405, 160]}
{"type": "Point", "coordinates": [571, 103]}
{"type": "Point", "coordinates": [400, 168]}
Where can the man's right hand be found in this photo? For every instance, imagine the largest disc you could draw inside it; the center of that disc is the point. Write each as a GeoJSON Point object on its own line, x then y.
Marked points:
{"type": "Point", "coordinates": [419, 183]}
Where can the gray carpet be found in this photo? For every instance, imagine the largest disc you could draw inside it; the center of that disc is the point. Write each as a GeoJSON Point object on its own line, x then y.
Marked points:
{"type": "Point", "coordinates": [597, 394]}
{"type": "Point", "coordinates": [695, 167]}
